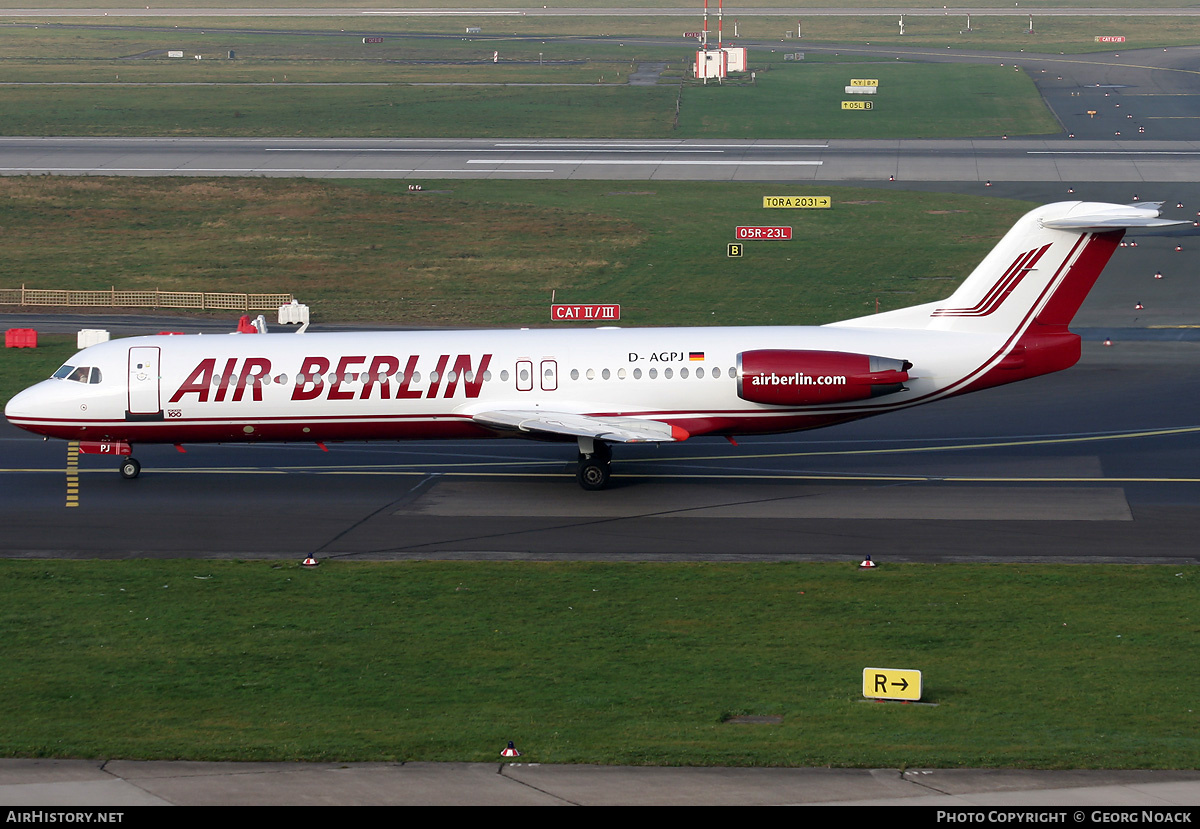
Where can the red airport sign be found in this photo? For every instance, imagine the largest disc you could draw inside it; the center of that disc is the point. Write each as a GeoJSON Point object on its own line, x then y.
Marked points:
{"type": "Point", "coordinates": [592, 313]}
{"type": "Point", "coordinates": [764, 233]}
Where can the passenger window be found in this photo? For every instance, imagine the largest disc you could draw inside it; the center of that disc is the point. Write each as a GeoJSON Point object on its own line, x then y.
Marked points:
{"type": "Point", "coordinates": [667, 373]}
{"type": "Point", "coordinates": [620, 374]}
{"type": "Point", "coordinates": [653, 373]}
{"type": "Point", "coordinates": [637, 374]}
{"type": "Point", "coordinates": [605, 374]}
{"type": "Point", "coordinates": [716, 372]}
{"type": "Point", "coordinates": [700, 373]}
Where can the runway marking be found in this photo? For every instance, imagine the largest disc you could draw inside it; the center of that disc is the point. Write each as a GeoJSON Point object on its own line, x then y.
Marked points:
{"type": "Point", "coordinates": [655, 145]}
{"type": "Point", "coordinates": [72, 473]}
{"type": "Point", "coordinates": [1112, 152]}
{"type": "Point", "coordinates": [418, 470]}
{"type": "Point", "coordinates": [470, 150]}
{"type": "Point", "coordinates": [627, 162]}
{"type": "Point", "coordinates": [34, 170]}
{"type": "Point", "coordinates": [484, 469]}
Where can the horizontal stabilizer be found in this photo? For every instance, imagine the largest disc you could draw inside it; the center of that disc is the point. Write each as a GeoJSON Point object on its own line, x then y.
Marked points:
{"type": "Point", "coordinates": [1093, 216]}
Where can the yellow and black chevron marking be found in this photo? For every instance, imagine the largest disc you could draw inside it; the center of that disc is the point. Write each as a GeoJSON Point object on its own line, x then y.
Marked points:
{"type": "Point", "coordinates": [73, 473]}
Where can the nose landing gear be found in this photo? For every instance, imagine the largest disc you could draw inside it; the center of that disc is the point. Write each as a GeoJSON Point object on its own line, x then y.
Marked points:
{"type": "Point", "coordinates": [130, 468]}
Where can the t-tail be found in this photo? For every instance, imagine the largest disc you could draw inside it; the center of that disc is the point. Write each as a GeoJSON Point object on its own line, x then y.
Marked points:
{"type": "Point", "coordinates": [1027, 290]}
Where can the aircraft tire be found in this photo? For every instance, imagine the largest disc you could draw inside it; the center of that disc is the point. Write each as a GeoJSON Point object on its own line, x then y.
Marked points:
{"type": "Point", "coordinates": [593, 475]}
{"type": "Point", "coordinates": [130, 469]}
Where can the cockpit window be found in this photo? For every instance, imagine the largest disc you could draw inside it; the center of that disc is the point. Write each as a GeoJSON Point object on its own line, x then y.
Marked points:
{"type": "Point", "coordinates": [82, 374]}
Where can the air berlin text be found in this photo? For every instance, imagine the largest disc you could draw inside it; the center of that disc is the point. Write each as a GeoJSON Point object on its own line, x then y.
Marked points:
{"type": "Point", "coordinates": [353, 377]}
{"type": "Point", "coordinates": [797, 380]}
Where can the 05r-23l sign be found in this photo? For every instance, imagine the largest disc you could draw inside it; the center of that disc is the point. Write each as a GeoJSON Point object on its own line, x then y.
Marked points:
{"type": "Point", "coordinates": [764, 233]}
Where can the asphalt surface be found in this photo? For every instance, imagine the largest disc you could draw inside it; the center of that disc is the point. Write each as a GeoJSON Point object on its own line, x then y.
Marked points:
{"type": "Point", "coordinates": [121, 784]}
{"type": "Point", "coordinates": [1096, 464]}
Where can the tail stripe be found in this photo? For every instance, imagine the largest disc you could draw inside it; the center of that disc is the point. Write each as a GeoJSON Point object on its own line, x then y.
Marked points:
{"type": "Point", "coordinates": [995, 296]}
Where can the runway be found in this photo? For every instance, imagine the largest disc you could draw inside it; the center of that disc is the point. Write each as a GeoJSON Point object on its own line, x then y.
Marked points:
{"type": "Point", "coordinates": [974, 160]}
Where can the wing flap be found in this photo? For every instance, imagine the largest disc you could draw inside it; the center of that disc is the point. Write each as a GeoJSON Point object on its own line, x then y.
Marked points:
{"type": "Point", "coordinates": [609, 429]}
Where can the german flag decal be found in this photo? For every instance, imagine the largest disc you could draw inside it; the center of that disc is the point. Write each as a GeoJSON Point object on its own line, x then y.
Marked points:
{"type": "Point", "coordinates": [696, 356]}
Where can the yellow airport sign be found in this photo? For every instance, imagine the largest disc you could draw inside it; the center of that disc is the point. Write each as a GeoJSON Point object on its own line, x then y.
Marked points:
{"type": "Point", "coordinates": [797, 201]}
{"type": "Point", "coordinates": [891, 683]}
{"type": "Point", "coordinates": [864, 81]}
{"type": "Point", "coordinates": [858, 104]}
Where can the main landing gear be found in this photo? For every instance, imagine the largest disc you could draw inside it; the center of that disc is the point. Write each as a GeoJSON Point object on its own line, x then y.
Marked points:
{"type": "Point", "coordinates": [595, 464]}
{"type": "Point", "coordinates": [130, 468]}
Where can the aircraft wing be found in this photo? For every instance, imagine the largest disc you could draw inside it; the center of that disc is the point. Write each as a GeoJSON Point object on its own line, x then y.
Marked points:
{"type": "Point", "coordinates": [609, 429]}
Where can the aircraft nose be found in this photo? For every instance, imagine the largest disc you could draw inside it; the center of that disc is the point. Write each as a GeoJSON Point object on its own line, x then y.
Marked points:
{"type": "Point", "coordinates": [26, 407]}
{"type": "Point", "coordinates": [20, 405]}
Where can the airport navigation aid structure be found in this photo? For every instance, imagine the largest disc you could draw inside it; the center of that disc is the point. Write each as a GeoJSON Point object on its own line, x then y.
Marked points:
{"type": "Point", "coordinates": [594, 387]}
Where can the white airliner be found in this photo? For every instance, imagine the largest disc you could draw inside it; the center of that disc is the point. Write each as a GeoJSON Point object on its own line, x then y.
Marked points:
{"type": "Point", "coordinates": [1006, 322]}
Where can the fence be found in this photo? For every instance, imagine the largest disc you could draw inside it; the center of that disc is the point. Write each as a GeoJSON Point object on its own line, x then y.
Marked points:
{"type": "Point", "coordinates": [113, 298]}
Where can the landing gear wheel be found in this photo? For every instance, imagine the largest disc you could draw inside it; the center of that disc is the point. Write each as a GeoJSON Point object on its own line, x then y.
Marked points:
{"type": "Point", "coordinates": [593, 474]}
{"type": "Point", "coordinates": [130, 469]}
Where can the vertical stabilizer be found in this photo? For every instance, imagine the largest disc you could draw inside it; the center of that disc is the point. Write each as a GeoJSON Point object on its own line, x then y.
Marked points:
{"type": "Point", "coordinates": [1040, 272]}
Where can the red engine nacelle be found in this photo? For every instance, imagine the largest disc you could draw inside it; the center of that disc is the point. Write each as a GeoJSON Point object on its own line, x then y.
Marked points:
{"type": "Point", "coordinates": [801, 378]}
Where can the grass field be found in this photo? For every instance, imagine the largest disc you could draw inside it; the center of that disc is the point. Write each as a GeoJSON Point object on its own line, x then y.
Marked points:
{"type": "Point", "coordinates": [491, 253]}
{"type": "Point", "coordinates": [1027, 666]}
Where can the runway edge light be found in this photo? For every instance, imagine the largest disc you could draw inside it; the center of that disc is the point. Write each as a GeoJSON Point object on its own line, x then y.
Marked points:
{"type": "Point", "coordinates": [867, 564]}
{"type": "Point", "coordinates": [511, 751]}
{"type": "Point", "coordinates": [310, 561]}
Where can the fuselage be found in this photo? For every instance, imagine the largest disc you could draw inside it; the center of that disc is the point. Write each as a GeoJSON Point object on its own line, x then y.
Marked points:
{"type": "Point", "coordinates": [406, 385]}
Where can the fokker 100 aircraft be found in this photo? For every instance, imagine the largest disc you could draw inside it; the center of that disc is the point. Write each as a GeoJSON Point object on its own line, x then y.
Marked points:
{"type": "Point", "coordinates": [1006, 322]}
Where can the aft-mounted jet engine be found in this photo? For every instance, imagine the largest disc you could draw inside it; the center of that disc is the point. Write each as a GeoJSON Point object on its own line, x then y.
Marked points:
{"type": "Point", "coordinates": [801, 378]}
